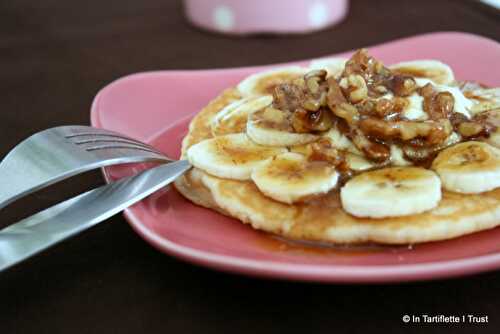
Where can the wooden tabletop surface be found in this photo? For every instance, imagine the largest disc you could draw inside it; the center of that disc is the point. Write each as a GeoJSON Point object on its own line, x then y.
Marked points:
{"type": "Point", "coordinates": [55, 56]}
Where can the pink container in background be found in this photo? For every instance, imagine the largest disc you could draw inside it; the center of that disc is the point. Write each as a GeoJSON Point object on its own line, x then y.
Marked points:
{"type": "Point", "coordinates": [265, 16]}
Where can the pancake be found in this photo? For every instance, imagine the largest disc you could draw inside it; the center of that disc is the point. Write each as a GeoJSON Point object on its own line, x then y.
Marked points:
{"type": "Point", "coordinates": [322, 218]}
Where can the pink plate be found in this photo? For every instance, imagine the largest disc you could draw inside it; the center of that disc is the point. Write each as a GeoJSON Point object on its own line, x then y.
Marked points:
{"type": "Point", "coordinates": [156, 107]}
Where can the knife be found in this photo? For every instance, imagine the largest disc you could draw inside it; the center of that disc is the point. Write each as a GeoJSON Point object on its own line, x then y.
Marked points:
{"type": "Point", "coordinates": [59, 222]}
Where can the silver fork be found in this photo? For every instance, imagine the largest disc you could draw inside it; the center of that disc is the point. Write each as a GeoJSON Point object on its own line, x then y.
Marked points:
{"type": "Point", "coordinates": [58, 153]}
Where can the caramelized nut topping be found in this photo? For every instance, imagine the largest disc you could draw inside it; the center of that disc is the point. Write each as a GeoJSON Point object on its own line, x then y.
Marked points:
{"type": "Point", "coordinates": [383, 107]}
{"type": "Point", "coordinates": [323, 150]}
{"type": "Point", "coordinates": [437, 105]}
{"type": "Point", "coordinates": [358, 91]}
{"type": "Point", "coordinates": [299, 121]}
{"type": "Point", "coordinates": [469, 129]}
{"type": "Point", "coordinates": [488, 121]}
{"type": "Point", "coordinates": [313, 79]}
{"type": "Point", "coordinates": [403, 85]}
{"type": "Point", "coordinates": [348, 112]}
{"type": "Point", "coordinates": [433, 132]}
{"type": "Point", "coordinates": [381, 89]}
{"type": "Point", "coordinates": [373, 121]}
{"type": "Point", "coordinates": [288, 97]}
{"type": "Point", "coordinates": [374, 151]}
{"type": "Point", "coordinates": [334, 96]}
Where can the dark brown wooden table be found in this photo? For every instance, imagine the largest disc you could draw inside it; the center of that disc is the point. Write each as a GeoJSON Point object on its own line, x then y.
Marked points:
{"type": "Point", "coordinates": [55, 55]}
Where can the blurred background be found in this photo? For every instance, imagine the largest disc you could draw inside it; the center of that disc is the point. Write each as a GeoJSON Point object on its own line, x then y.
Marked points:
{"type": "Point", "coordinates": [60, 53]}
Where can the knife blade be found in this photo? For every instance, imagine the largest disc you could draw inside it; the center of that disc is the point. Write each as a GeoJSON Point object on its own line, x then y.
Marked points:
{"type": "Point", "coordinates": [61, 221]}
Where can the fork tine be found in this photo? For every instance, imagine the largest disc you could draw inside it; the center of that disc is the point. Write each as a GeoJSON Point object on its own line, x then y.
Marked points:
{"type": "Point", "coordinates": [112, 140]}
{"type": "Point", "coordinates": [55, 154]}
{"type": "Point", "coordinates": [87, 136]}
{"type": "Point", "coordinates": [97, 134]}
{"type": "Point", "coordinates": [94, 146]}
{"type": "Point", "coordinates": [83, 131]}
{"type": "Point", "coordinates": [121, 146]}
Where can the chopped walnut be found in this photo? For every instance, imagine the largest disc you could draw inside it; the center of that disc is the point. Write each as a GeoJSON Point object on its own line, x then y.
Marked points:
{"type": "Point", "coordinates": [348, 112]}
{"type": "Point", "coordinates": [374, 73]}
{"type": "Point", "coordinates": [374, 151]}
{"type": "Point", "coordinates": [305, 98]}
{"type": "Point", "coordinates": [358, 91]}
{"type": "Point", "coordinates": [433, 132]}
{"type": "Point", "coordinates": [417, 154]}
{"type": "Point", "coordinates": [299, 121]}
{"type": "Point", "coordinates": [381, 89]}
{"type": "Point", "coordinates": [481, 125]}
{"type": "Point", "coordinates": [321, 120]}
{"type": "Point", "coordinates": [313, 79]}
{"type": "Point", "coordinates": [403, 85]}
{"type": "Point", "coordinates": [288, 97]}
{"type": "Point", "coordinates": [437, 105]}
{"type": "Point", "coordinates": [307, 121]}
{"type": "Point", "coordinates": [470, 129]}
{"type": "Point", "coordinates": [383, 107]}
{"type": "Point", "coordinates": [335, 96]}
{"type": "Point", "coordinates": [323, 150]}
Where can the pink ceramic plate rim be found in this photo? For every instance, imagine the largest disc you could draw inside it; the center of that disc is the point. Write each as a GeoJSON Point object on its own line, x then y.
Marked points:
{"type": "Point", "coordinates": [304, 272]}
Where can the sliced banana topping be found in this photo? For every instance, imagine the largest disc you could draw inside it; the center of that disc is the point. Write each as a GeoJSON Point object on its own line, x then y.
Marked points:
{"type": "Point", "coordinates": [271, 127]}
{"type": "Point", "coordinates": [397, 157]}
{"type": "Point", "coordinates": [358, 163]}
{"type": "Point", "coordinates": [232, 156]}
{"type": "Point", "coordinates": [391, 192]}
{"type": "Point", "coordinates": [494, 139]}
{"type": "Point", "coordinates": [333, 66]}
{"type": "Point", "coordinates": [469, 167]}
{"type": "Point", "coordinates": [263, 83]}
{"type": "Point", "coordinates": [494, 119]}
{"type": "Point", "coordinates": [233, 118]}
{"type": "Point", "coordinates": [483, 99]}
{"type": "Point", "coordinates": [290, 177]}
{"type": "Point", "coordinates": [435, 70]}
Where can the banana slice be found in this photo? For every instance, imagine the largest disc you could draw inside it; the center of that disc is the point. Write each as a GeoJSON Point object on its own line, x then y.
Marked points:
{"type": "Point", "coordinates": [233, 118]}
{"type": "Point", "coordinates": [333, 66]}
{"type": "Point", "coordinates": [271, 127]}
{"type": "Point", "coordinates": [397, 157]}
{"type": "Point", "coordinates": [494, 118]}
{"type": "Point", "coordinates": [483, 99]}
{"type": "Point", "coordinates": [358, 163]}
{"type": "Point", "coordinates": [263, 83]}
{"type": "Point", "coordinates": [391, 192]}
{"type": "Point", "coordinates": [290, 177]}
{"type": "Point", "coordinates": [494, 139]}
{"type": "Point", "coordinates": [305, 150]}
{"type": "Point", "coordinates": [470, 167]}
{"type": "Point", "coordinates": [232, 156]}
{"type": "Point", "coordinates": [435, 70]}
